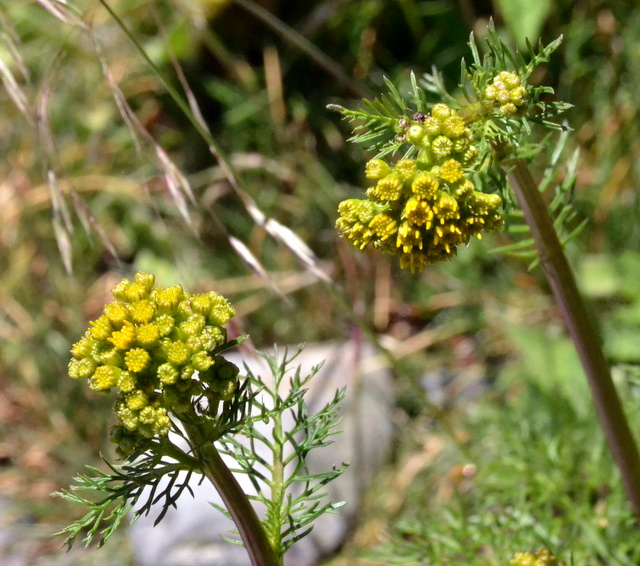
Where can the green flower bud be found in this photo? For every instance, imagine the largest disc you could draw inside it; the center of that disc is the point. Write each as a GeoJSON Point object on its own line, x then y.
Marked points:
{"type": "Point", "coordinates": [147, 280]}
{"type": "Point", "coordinates": [83, 347]}
{"type": "Point", "coordinates": [81, 369]}
{"type": "Point", "coordinates": [104, 354]}
{"type": "Point", "coordinates": [178, 353]}
{"type": "Point", "coordinates": [168, 299]}
{"type": "Point", "coordinates": [127, 417]}
{"type": "Point", "coordinates": [442, 146]}
{"type": "Point", "coordinates": [470, 156]}
{"type": "Point", "coordinates": [441, 111]}
{"type": "Point", "coordinates": [377, 169]}
{"type": "Point", "coordinates": [210, 336]}
{"type": "Point", "coordinates": [201, 361]}
{"type": "Point", "coordinates": [201, 304]}
{"type": "Point", "coordinates": [136, 400]}
{"type": "Point", "coordinates": [510, 80]}
{"type": "Point", "coordinates": [508, 109]}
{"type": "Point", "coordinates": [462, 190]}
{"type": "Point", "coordinates": [120, 290]}
{"type": "Point", "coordinates": [225, 389]}
{"type": "Point", "coordinates": [193, 325]}
{"type": "Point", "coordinates": [432, 126]}
{"type": "Point", "coordinates": [135, 292]}
{"type": "Point", "coordinates": [162, 424]}
{"type": "Point", "coordinates": [225, 370]}
{"type": "Point", "coordinates": [183, 309]}
{"type": "Point", "coordinates": [453, 126]}
{"type": "Point", "coordinates": [415, 134]}
{"type": "Point", "coordinates": [187, 373]}
{"type": "Point", "coordinates": [221, 311]}
{"type": "Point", "coordinates": [147, 415]}
{"type": "Point", "coordinates": [101, 328]}
{"type": "Point", "coordinates": [406, 169]}
{"type": "Point", "coordinates": [104, 378]}
{"type": "Point", "coordinates": [165, 324]}
{"type": "Point", "coordinates": [126, 381]}
{"type": "Point", "coordinates": [168, 373]}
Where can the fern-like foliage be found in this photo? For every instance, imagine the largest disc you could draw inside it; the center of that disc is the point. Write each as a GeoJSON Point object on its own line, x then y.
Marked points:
{"type": "Point", "coordinates": [111, 496]}
{"type": "Point", "coordinates": [275, 459]}
{"type": "Point", "coordinates": [380, 124]}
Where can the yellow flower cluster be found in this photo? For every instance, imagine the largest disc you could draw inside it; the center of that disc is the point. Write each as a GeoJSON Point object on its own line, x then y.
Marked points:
{"type": "Point", "coordinates": [506, 90]}
{"type": "Point", "coordinates": [422, 209]}
{"type": "Point", "coordinates": [153, 345]}
{"type": "Point", "coordinates": [542, 557]}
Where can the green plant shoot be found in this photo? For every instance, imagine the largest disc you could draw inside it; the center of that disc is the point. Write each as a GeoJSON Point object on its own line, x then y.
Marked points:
{"type": "Point", "coordinates": [457, 167]}
{"type": "Point", "coordinates": [160, 350]}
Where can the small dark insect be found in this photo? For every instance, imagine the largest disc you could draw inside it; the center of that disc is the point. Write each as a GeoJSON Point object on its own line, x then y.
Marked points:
{"type": "Point", "coordinates": [419, 117]}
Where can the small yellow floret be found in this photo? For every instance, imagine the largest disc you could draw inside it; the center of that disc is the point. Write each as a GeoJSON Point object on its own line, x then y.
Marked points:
{"type": "Point", "coordinates": [117, 313]}
{"type": "Point", "coordinates": [178, 353]}
{"type": "Point", "coordinates": [137, 400]}
{"type": "Point", "coordinates": [441, 111]}
{"type": "Point", "coordinates": [137, 360]}
{"type": "Point", "coordinates": [104, 378]}
{"type": "Point", "coordinates": [425, 185]}
{"type": "Point", "coordinates": [124, 338]}
{"type": "Point", "coordinates": [142, 311]}
{"type": "Point", "coordinates": [418, 212]}
{"type": "Point", "coordinates": [147, 335]}
{"type": "Point", "coordinates": [442, 146]}
{"type": "Point", "coordinates": [101, 328]}
{"type": "Point", "coordinates": [451, 171]}
{"type": "Point", "coordinates": [406, 168]}
{"type": "Point", "coordinates": [147, 280]}
{"type": "Point", "coordinates": [126, 381]}
{"type": "Point", "coordinates": [453, 126]}
{"type": "Point", "coordinates": [389, 188]}
{"type": "Point", "coordinates": [377, 169]}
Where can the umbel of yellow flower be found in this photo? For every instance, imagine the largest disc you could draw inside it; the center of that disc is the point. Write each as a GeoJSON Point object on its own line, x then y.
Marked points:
{"type": "Point", "coordinates": [542, 557]}
{"type": "Point", "coordinates": [506, 90]}
{"type": "Point", "coordinates": [422, 209]}
{"type": "Point", "coordinates": [154, 347]}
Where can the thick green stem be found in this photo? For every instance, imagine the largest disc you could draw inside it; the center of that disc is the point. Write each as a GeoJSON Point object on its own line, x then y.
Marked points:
{"type": "Point", "coordinates": [236, 502]}
{"type": "Point", "coordinates": [563, 285]}
{"type": "Point", "coordinates": [242, 512]}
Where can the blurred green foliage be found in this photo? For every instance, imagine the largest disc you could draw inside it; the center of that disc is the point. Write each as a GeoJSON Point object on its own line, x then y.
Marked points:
{"type": "Point", "coordinates": [87, 194]}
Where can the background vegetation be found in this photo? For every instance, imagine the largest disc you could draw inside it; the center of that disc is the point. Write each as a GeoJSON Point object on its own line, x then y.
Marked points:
{"type": "Point", "coordinates": [102, 174]}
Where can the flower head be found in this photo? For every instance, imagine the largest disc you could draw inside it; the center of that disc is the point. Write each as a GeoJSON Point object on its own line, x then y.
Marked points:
{"type": "Point", "coordinates": [154, 347]}
{"type": "Point", "coordinates": [507, 91]}
{"type": "Point", "coordinates": [542, 557]}
{"type": "Point", "coordinates": [422, 209]}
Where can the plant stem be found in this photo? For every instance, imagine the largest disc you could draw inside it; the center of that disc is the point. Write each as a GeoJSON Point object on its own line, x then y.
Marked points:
{"type": "Point", "coordinates": [242, 512]}
{"type": "Point", "coordinates": [565, 291]}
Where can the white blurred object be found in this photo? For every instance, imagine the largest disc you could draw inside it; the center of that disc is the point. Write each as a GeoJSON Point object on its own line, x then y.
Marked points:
{"type": "Point", "coordinates": [191, 534]}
